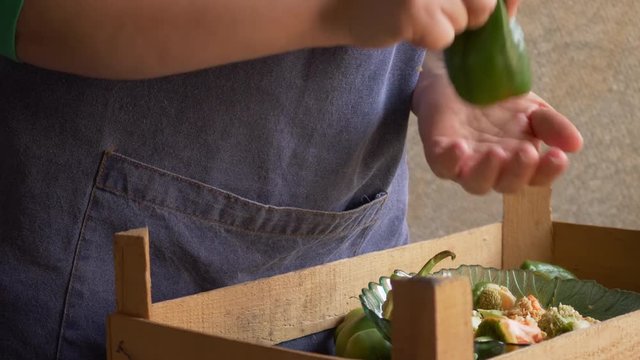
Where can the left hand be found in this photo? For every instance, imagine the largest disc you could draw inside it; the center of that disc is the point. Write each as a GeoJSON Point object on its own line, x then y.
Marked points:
{"type": "Point", "coordinates": [495, 147]}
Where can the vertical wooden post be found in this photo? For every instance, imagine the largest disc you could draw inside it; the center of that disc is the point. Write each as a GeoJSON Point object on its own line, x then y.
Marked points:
{"type": "Point", "coordinates": [132, 271]}
{"type": "Point", "coordinates": [527, 227]}
{"type": "Point", "coordinates": [432, 319]}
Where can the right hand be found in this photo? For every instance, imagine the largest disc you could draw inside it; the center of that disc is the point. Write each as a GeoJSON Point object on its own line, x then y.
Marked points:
{"type": "Point", "coordinates": [430, 24]}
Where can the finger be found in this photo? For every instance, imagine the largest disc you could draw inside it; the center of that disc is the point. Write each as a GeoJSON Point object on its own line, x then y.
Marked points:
{"type": "Point", "coordinates": [551, 165]}
{"type": "Point", "coordinates": [479, 178]}
{"type": "Point", "coordinates": [512, 7]}
{"type": "Point", "coordinates": [555, 130]}
{"type": "Point", "coordinates": [445, 158]}
{"type": "Point", "coordinates": [479, 11]}
{"type": "Point", "coordinates": [457, 14]}
{"type": "Point", "coordinates": [517, 172]}
{"type": "Point", "coordinates": [434, 32]}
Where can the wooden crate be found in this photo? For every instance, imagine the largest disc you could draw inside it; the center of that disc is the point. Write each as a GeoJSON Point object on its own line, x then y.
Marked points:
{"type": "Point", "coordinates": [432, 315]}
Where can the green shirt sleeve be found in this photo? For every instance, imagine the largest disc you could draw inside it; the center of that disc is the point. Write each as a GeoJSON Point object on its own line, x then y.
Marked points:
{"type": "Point", "coordinates": [9, 13]}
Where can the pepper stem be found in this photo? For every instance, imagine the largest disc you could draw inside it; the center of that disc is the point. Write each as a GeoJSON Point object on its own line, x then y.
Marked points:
{"type": "Point", "coordinates": [426, 269]}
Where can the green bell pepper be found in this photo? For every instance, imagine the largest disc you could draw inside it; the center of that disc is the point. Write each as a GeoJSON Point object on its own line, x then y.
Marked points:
{"type": "Point", "coordinates": [490, 64]}
{"type": "Point", "coordinates": [352, 316]}
{"type": "Point", "coordinates": [368, 345]}
{"type": "Point", "coordinates": [547, 270]}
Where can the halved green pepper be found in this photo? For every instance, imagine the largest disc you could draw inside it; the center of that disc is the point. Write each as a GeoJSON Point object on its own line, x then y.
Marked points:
{"type": "Point", "coordinates": [490, 64]}
{"type": "Point", "coordinates": [368, 344]}
{"type": "Point", "coordinates": [357, 338]}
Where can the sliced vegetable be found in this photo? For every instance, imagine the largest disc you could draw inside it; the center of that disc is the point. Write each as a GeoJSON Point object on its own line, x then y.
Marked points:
{"type": "Point", "coordinates": [564, 318]}
{"type": "Point", "coordinates": [510, 331]}
{"type": "Point", "coordinates": [489, 296]}
{"type": "Point", "coordinates": [527, 306]}
{"type": "Point", "coordinates": [490, 313]}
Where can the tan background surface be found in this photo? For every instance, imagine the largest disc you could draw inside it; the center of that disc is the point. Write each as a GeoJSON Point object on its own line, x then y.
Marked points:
{"type": "Point", "coordinates": [586, 63]}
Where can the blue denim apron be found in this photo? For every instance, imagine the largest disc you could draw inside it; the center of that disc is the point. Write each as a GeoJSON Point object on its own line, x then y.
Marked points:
{"type": "Point", "coordinates": [240, 172]}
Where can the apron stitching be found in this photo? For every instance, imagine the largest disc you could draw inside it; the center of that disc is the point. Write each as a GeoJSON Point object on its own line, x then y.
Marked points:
{"type": "Point", "coordinates": [209, 221]}
{"type": "Point", "coordinates": [228, 196]}
{"type": "Point", "coordinates": [75, 258]}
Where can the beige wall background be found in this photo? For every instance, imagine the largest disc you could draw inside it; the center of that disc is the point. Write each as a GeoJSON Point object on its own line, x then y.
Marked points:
{"type": "Point", "coordinates": [586, 63]}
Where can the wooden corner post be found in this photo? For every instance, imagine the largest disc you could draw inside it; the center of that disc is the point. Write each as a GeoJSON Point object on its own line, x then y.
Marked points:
{"type": "Point", "coordinates": [527, 227]}
{"type": "Point", "coordinates": [432, 319]}
{"type": "Point", "coordinates": [132, 273]}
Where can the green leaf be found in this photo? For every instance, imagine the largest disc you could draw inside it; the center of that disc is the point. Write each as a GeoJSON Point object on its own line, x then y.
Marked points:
{"type": "Point", "coordinates": [593, 299]}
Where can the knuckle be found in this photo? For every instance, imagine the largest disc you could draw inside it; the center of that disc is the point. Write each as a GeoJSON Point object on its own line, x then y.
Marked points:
{"type": "Point", "coordinates": [479, 11]}
{"type": "Point", "coordinates": [442, 39]}
{"type": "Point", "coordinates": [444, 43]}
{"type": "Point", "coordinates": [459, 23]}
{"type": "Point", "coordinates": [442, 173]}
{"type": "Point", "coordinates": [475, 188]}
{"type": "Point", "coordinates": [485, 7]}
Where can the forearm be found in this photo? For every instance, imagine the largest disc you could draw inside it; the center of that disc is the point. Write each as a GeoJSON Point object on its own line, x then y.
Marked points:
{"type": "Point", "coordinates": [132, 39]}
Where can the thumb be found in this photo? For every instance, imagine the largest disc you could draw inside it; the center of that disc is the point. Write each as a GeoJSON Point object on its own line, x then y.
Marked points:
{"type": "Point", "coordinates": [555, 130]}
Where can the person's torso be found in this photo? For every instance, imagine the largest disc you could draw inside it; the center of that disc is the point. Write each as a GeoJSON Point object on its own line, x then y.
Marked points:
{"type": "Point", "coordinates": [241, 171]}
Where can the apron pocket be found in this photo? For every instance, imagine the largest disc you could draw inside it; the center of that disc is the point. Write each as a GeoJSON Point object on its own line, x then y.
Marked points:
{"type": "Point", "coordinates": [202, 238]}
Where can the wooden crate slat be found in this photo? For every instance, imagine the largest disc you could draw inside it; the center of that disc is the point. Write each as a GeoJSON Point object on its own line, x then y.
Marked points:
{"type": "Point", "coordinates": [614, 339]}
{"type": "Point", "coordinates": [432, 319]}
{"type": "Point", "coordinates": [607, 255]}
{"type": "Point", "coordinates": [526, 227]}
{"type": "Point", "coordinates": [132, 272]}
{"type": "Point", "coordinates": [134, 338]}
{"type": "Point", "coordinates": [292, 305]}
